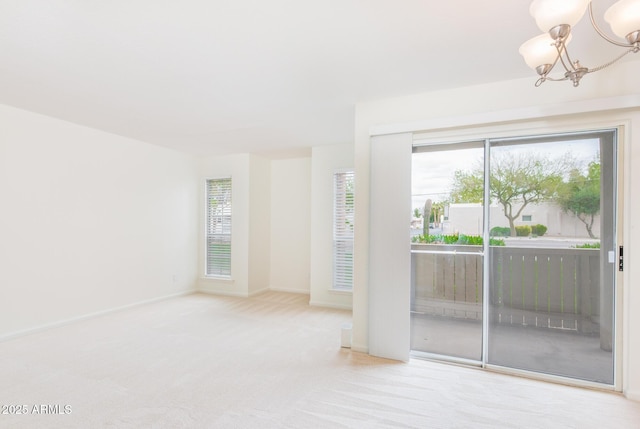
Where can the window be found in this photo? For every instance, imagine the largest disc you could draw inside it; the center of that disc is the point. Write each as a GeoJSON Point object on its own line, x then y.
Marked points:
{"type": "Point", "coordinates": [218, 227]}
{"type": "Point", "coordinates": [526, 218]}
{"type": "Point", "coordinates": [343, 216]}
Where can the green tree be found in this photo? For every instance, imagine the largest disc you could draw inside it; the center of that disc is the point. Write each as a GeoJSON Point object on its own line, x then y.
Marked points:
{"type": "Point", "coordinates": [580, 195]}
{"type": "Point", "coordinates": [516, 180]}
{"type": "Point", "coordinates": [468, 186]}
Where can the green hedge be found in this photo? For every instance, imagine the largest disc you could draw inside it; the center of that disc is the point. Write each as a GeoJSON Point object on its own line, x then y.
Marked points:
{"type": "Point", "coordinates": [538, 230]}
{"type": "Point", "coordinates": [500, 231]}
{"type": "Point", "coordinates": [523, 231]}
{"type": "Point", "coordinates": [587, 246]}
{"type": "Point", "coordinates": [471, 240]}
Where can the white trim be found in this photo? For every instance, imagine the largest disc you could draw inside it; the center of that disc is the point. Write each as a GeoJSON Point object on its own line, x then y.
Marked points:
{"type": "Point", "coordinates": [623, 301]}
{"type": "Point", "coordinates": [258, 292]}
{"type": "Point", "coordinates": [222, 279]}
{"type": "Point", "coordinates": [359, 348]}
{"type": "Point", "coordinates": [65, 322]}
{"type": "Point", "coordinates": [622, 142]}
{"type": "Point", "coordinates": [511, 115]}
{"type": "Point", "coordinates": [344, 170]}
{"type": "Point", "coordinates": [218, 286]}
{"type": "Point", "coordinates": [316, 303]}
{"type": "Point", "coordinates": [633, 396]}
{"type": "Point", "coordinates": [340, 291]}
{"type": "Point", "coordinates": [211, 290]}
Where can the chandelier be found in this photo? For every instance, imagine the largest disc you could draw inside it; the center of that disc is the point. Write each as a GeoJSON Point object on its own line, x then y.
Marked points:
{"type": "Point", "coordinates": [556, 18]}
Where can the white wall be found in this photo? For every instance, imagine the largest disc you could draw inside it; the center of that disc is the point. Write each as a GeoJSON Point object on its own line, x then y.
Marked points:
{"type": "Point", "coordinates": [237, 167]}
{"type": "Point", "coordinates": [290, 225]}
{"type": "Point", "coordinates": [517, 103]}
{"type": "Point", "coordinates": [282, 235]}
{"type": "Point", "coordinates": [467, 219]}
{"type": "Point", "coordinates": [250, 225]}
{"type": "Point", "coordinates": [89, 221]}
{"type": "Point", "coordinates": [325, 161]}
{"type": "Point", "coordinates": [259, 224]}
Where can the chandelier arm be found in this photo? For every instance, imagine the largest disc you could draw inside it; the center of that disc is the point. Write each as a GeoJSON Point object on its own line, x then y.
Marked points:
{"type": "Point", "coordinates": [546, 77]}
{"type": "Point", "coordinates": [558, 57]}
{"type": "Point", "coordinates": [556, 79]}
{"type": "Point", "coordinates": [633, 49]}
{"type": "Point", "coordinates": [564, 64]}
{"type": "Point", "coordinates": [602, 34]}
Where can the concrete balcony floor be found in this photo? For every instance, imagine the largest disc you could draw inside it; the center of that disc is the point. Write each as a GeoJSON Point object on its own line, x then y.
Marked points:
{"type": "Point", "coordinates": [564, 353]}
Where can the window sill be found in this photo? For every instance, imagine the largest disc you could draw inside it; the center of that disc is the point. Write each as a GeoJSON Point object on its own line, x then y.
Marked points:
{"type": "Point", "coordinates": [341, 291]}
{"type": "Point", "coordinates": [228, 280]}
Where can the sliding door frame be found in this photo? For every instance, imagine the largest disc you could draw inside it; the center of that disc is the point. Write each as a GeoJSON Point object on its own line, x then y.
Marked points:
{"type": "Point", "coordinates": [542, 134]}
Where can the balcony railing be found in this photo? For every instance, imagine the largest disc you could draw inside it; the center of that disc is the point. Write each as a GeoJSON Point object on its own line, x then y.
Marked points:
{"type": "Point", "coordinates": [546, 288]}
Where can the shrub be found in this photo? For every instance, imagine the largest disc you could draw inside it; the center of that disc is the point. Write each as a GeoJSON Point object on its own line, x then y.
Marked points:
{"type": "Point", "coordinates": [523, 231]}
{"type": "Point", "coordinates": [471, 240]}
{"type": "Point", "coordinates": [500, 231]}
{"type": "Point", "coordinates": [538, 230]}
{"type": "Point", "coordinates": [496, 242]}
{"type": "Point", "coordinates": [450, 239]}
{"type": "Point", "coordinates": [587, 246]}
{"type": "Point", "coordinates": [427, 240]}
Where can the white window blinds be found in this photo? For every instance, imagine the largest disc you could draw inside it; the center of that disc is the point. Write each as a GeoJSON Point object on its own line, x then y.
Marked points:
{"type": "Point", "coordinates": [343, 216]}
{"type": "Point", "coordinates": [219, 227]}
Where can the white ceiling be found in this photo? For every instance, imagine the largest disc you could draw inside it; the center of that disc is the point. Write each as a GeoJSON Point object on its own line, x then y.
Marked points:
{"type": "Point", "coordinates": [265, 76]}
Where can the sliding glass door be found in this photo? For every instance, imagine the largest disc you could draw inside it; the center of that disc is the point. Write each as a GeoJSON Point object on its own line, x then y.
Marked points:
{"type": "Point", "coordinates": [514, 253]}
{"type": "Point", "coordinates": [447, 263]}
{"type": "Point", "coordinates": [552, 284]}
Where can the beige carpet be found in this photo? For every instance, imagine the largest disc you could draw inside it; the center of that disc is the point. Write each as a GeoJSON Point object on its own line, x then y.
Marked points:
{"type": "Point", "coordinates": [270, 361]}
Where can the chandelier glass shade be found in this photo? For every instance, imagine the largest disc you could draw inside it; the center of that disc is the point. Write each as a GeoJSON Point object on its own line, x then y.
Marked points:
{"type": "Point", "coordinates": [549, 13]}
{"type": "Point", "coordinates": [556, 18]}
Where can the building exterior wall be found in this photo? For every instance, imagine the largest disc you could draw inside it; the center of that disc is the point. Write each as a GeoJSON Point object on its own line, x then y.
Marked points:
{"type": "Point", "coordinates": [467, 219]}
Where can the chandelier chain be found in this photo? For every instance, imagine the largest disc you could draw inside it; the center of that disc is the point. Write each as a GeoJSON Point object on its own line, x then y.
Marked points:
{"type": "Point", "coordinates": [634, 49]}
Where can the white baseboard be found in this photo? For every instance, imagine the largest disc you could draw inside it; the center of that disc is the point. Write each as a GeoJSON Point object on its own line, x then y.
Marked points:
{"type": "Point", "coordinates": [216, 291]}
{"type": "Point", "coordinates": [359, 348]}
{"type": "Point", "coordinates": [315, 303]}
{"type": "Point", "coordinates": [258, 292]}
{"type": "Point", "coordinates": [282, 289]}
{"type": "Point", "coordinates": [60, 323]}
{"type": "Point", "coordinates": [633, 395]}
{"type": "Point", "coordinates": [213, 290]}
